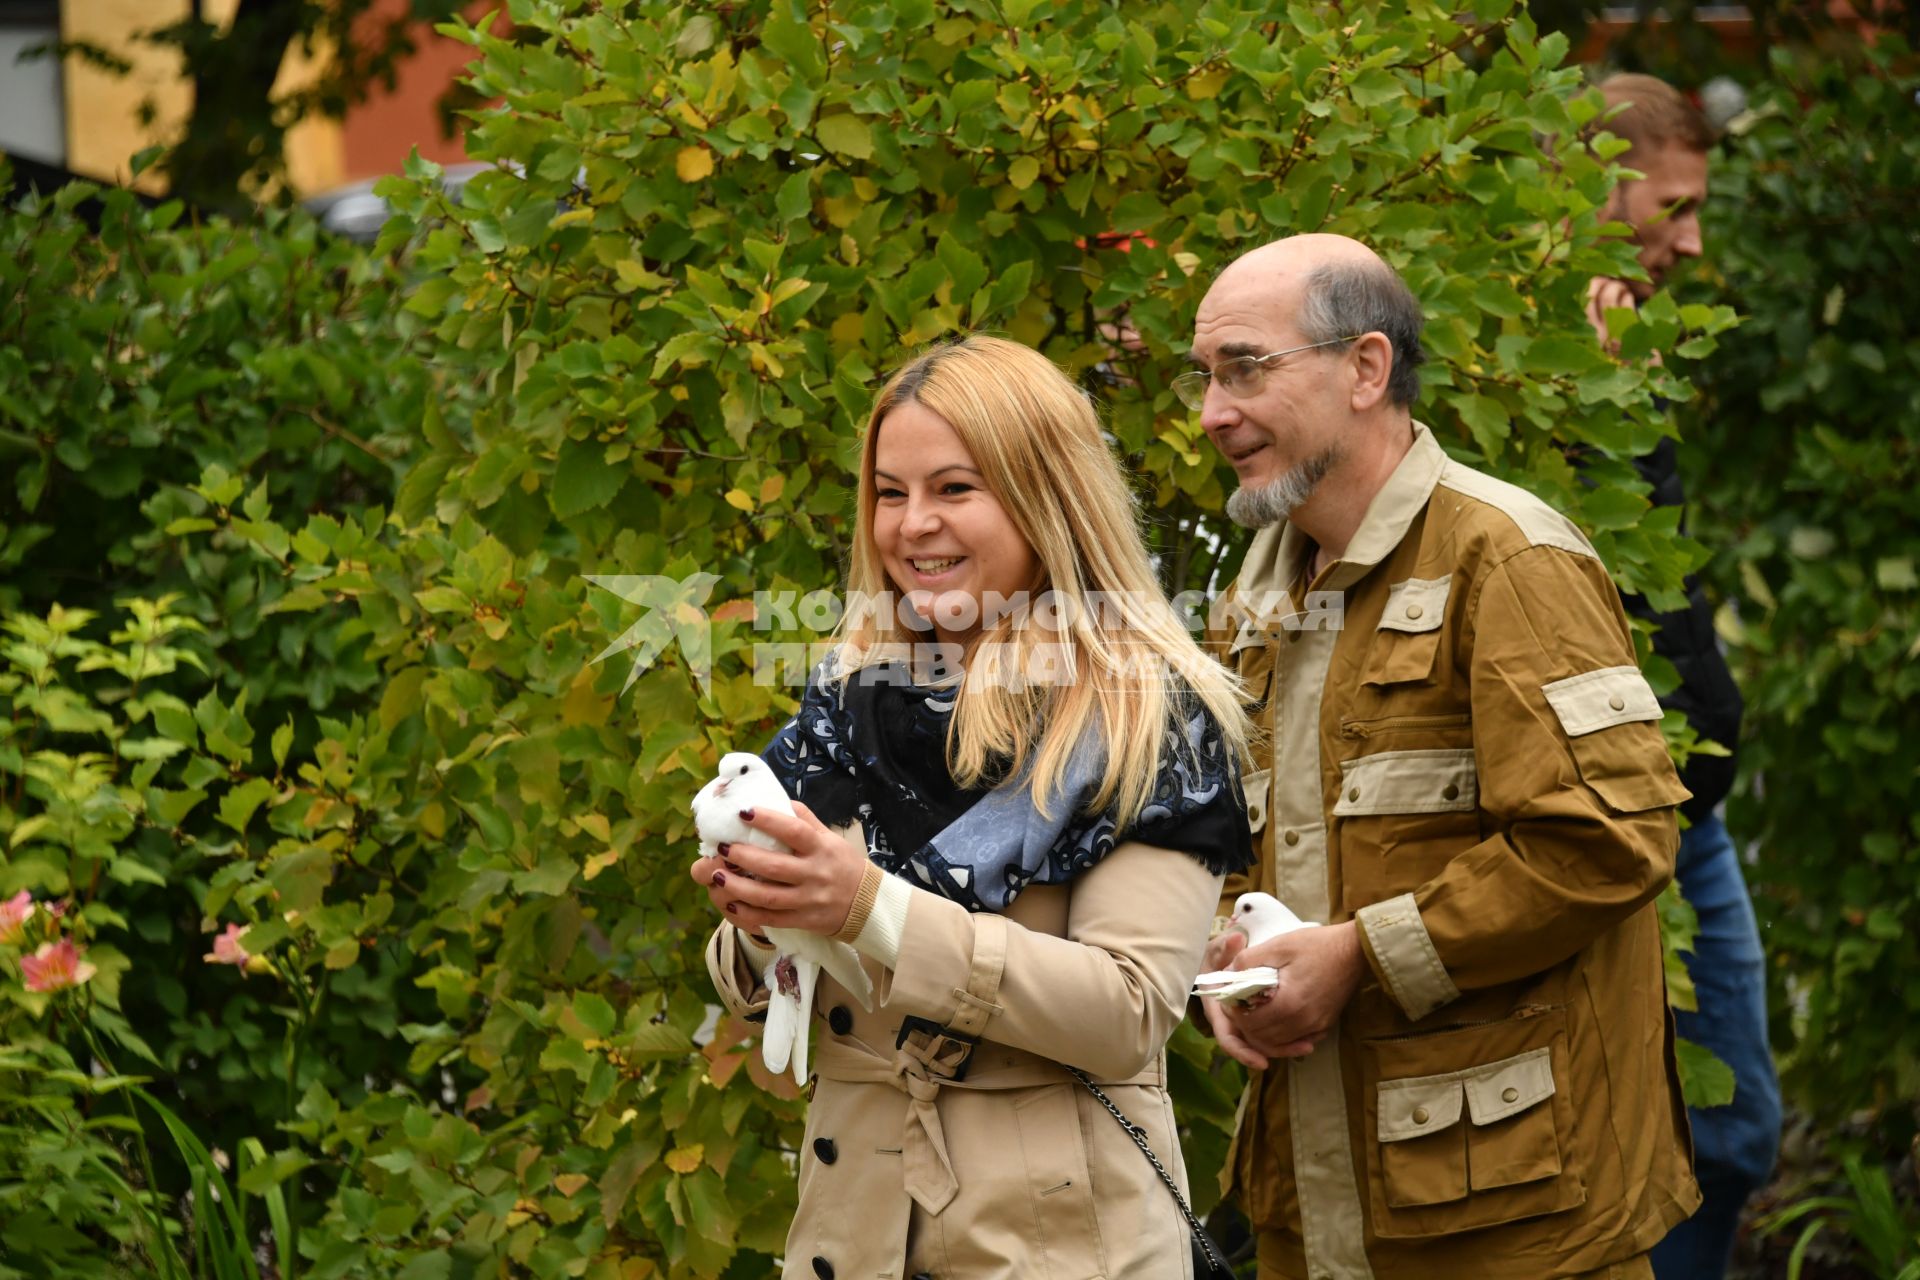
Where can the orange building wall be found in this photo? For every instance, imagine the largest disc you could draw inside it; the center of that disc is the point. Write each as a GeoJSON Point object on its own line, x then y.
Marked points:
{"type": "Point", "coordinates": [377, 135]}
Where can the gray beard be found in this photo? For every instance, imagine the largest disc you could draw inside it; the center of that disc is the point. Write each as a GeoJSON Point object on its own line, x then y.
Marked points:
{"type": "Point", "coordinates": [1275, 501]}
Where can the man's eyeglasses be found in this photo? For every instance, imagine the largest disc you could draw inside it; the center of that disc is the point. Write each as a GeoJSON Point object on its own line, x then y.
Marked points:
{"type": "Point", "coordinates": [1242, 377]}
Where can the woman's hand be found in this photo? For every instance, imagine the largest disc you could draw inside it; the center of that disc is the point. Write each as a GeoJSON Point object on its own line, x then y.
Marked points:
{"type": "Point", "coordinates": [811, 888]}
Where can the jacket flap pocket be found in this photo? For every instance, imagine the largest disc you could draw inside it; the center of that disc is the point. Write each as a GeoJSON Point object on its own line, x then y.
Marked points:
{"type": "Point", "coordinates": [1438, 780]}
{"type": "Point", "coordinates": [1418, 604]}
{"type": "Point", "coordinates": [1601, 699]}
{"type": "Point", "coordinates": [1417, 1107]}
{"type": "Point", "coordinates": [1510, 1086]}
{"type": "Point", "coordinates": [1255, 787]}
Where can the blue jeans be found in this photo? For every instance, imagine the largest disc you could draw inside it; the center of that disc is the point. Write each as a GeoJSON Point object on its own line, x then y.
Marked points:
{"type": "Point", "coordinates": [1734, 1145]}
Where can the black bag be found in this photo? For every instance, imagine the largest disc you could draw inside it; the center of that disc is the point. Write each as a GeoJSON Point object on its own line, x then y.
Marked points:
{"type": "Point", "coordinates": [1209, 1259]}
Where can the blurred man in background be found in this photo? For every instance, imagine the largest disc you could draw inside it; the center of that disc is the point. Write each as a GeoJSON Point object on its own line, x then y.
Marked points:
{"type": "Point", "coordinates": [1734, 1145]}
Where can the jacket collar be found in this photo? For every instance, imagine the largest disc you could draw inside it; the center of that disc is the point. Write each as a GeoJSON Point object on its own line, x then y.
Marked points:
{"type": "Point", "coordinates": [1277, 556]}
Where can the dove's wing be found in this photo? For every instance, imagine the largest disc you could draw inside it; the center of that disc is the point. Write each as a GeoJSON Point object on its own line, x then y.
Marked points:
{"type": "Point", "coordinates": [843, 962]}
{"type": "Point", "coordinates": [1236, 984]}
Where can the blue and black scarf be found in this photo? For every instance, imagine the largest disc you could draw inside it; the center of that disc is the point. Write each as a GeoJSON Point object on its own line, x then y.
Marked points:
{"type": "Point", "coordinates": [874, 747]}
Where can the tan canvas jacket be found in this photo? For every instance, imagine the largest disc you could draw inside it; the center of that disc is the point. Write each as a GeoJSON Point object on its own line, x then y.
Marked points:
{"type": "Point", "coordinates": [1463, 755]}
{"type": "Point", "coordinates": [1013, 1172]}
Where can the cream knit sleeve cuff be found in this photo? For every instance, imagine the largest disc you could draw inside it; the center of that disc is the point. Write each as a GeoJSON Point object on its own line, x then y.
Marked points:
{"type": "Point", "coordinates": [879, 938]}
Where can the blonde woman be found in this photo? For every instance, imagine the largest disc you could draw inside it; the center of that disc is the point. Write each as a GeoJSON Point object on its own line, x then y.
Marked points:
{"type": "Point", "coordinates": [1017, 798]}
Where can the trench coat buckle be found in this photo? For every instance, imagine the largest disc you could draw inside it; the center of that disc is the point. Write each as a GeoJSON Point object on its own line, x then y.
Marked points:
{"type": "Point", "coordinates": [941, 1051]}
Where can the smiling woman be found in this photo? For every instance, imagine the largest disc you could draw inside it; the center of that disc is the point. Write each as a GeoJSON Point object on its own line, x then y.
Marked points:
{"type": "Point", "coordinates": [1037, 858]}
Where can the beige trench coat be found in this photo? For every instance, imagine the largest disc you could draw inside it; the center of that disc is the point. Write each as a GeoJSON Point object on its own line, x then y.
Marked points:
{"type": "Point", "coordinates": [1014, 1171]}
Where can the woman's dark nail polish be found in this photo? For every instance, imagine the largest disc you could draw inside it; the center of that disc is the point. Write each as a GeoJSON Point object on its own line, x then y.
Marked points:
{"type": "Point", "coordinates": [719, 879]}
{"type": "Point", "coordinates": [733, 908]}
{"type": "Point", "coordinates": [724, 849]}
{"type": "Point", "coordinates": [746, 815]}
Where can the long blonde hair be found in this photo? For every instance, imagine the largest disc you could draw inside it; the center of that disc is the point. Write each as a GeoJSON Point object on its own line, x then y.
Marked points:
{"type": "Point", "coordinates": [1036, 439]}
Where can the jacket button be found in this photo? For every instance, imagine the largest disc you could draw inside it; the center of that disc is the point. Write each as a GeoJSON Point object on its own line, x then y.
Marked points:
{"type": "Point", "coordinates": [1509, 1095]}
{"type": "Point", "coordinates": [1617, 702]}
{"type": "Point", "coordinates": [1353, 794]}
{"type": "Point", "coordinates": [822, 1268]}
{"type": "Point", "coordinates": [828, 1153]}
{"type": "Point", "coordinates": [923, 1275]}
{"type": "Point", "coordinates": [1293, 837]}
{"type": "Point", "coordinates": [1419, 1115]}
{"type": "Point", "coordinates": [1414, 611]}
{"type": "Point", "coordinates": [1450, 792]}
{"type": "Point", "coordinates": [840, 1019]}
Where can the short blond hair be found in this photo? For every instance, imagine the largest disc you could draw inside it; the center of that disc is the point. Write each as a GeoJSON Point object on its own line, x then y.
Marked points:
{"type": "Point", "coordinates": [1137, 671]}
{"type": "Point", "coordinates": [1656, 115]}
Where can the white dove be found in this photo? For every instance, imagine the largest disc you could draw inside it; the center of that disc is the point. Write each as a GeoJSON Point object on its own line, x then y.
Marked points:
{"type": "Point", "coordinates": [1260, 916]}
{"type": "Point", "coordinates": [745, 782]}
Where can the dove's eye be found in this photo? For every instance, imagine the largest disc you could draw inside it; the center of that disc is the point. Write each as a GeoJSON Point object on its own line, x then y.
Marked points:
{"type": "Point", "coordinates": [743, 770]}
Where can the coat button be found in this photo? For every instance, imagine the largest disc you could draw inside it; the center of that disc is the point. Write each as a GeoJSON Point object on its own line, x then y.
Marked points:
{"type": "Point", "coordinates": [923, 1275]}
{"type": "Point", "coordinates": [840, 1019]}
{"type": "Point", "coordinates": [1419, 1115]}
{"type": "Point", "coordinates": [1450, 792]}
{"type": "Point", "coordinates": [822, 1268]}
{"type": "Point", "coordinates": [1509, 1095]}
{"type": "Point", "coordinates": [1414, 611]}
{"type": "Point", "coordinates": [1353, 794]}
{"type": "Point", "coordinates": [1293, 837]}
{"type": "Point", "coordinates": [1617, 702]}
{"type": "Point", "coordinates": [828, 1153]}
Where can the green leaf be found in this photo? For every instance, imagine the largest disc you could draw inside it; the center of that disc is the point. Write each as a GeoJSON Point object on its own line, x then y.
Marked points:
{"type": "Point", "coordinates": [238, 805]}
{"type": "Point", "coordinates": [1705, 1081]}
{"type": "Point", "coordinates": [845, 135]}
{"type": "Point", "coordinates": [282, 741]}
{"type": "Point", "coordinates": [584, 481]}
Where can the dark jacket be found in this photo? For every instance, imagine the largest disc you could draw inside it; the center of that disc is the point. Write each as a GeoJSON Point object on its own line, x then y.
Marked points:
{"type": "Point", "coordinates": [1707, 693]}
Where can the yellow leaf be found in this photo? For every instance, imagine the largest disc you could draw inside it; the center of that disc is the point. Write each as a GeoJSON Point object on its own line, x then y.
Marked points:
{"type": "Point", "coordinates": [772, 487]}
{"type": "Point", "coordinates": [1022, 172]}
{"type": "Point", "coordinates": [686, 1159]}
{"type": "Point", "coordinates": [568, 1183]}
{"type": "Point", "coordinates": [1207, 84]}
{"type": "Point", "coordinates": [738, 498]}
{"type": "Point", "coordinates": [596, 825]}
{"type": "Point", "coordinates": [636, 1269]}
{"type": "Point", "coordinates": [582, 704]}
{"type": "Point", "coordinates": [848, 329]}
{"type": "Point", "coordinates": [599, 862]}
{"type": "Point", "coordinates": [693, 163]}
{"type": "Point", "coordinates": [433, 819]}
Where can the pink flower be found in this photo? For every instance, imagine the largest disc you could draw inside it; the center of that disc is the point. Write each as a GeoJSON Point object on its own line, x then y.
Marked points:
{"type": "Point", "coordinates": [14, 914]}
{"type": "Point", "coordinates": [227, 948]}
{"type": "Point", "coordinates": [54, 966]}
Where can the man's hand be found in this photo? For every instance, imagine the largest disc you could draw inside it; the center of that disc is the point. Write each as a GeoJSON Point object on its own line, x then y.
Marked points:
{"type": "Point", "coordinates": [1320, 970]}
{"type": "Point", "coordinates": [1220, 953]}
{"type": "Point", "coordinates": [1604, 292]}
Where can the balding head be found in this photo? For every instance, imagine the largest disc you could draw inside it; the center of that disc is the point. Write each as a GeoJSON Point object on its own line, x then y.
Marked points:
{"type": "Point", "coordinates": [1327, 288]}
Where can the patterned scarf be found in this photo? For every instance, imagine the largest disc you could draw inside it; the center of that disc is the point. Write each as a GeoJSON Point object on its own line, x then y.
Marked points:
{"type": "Point", "coordinates": [873, 747]}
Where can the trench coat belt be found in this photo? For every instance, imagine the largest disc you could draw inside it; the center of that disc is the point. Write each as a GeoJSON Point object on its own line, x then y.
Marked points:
{"type": "Point", "coordinates": [925, 1165]}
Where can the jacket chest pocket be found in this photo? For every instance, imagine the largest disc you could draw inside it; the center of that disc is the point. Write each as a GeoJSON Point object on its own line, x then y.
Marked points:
{"type": "Point", "coordinates": [1406, 643]}
{"type": "Point", "coordinates": [1474, 1146]}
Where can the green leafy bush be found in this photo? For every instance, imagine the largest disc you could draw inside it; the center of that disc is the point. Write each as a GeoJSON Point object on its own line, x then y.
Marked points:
{"type": "Point", "coordinates": [474, 1029]}
{"type": "Point", "coordinates": [1807, 434]}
